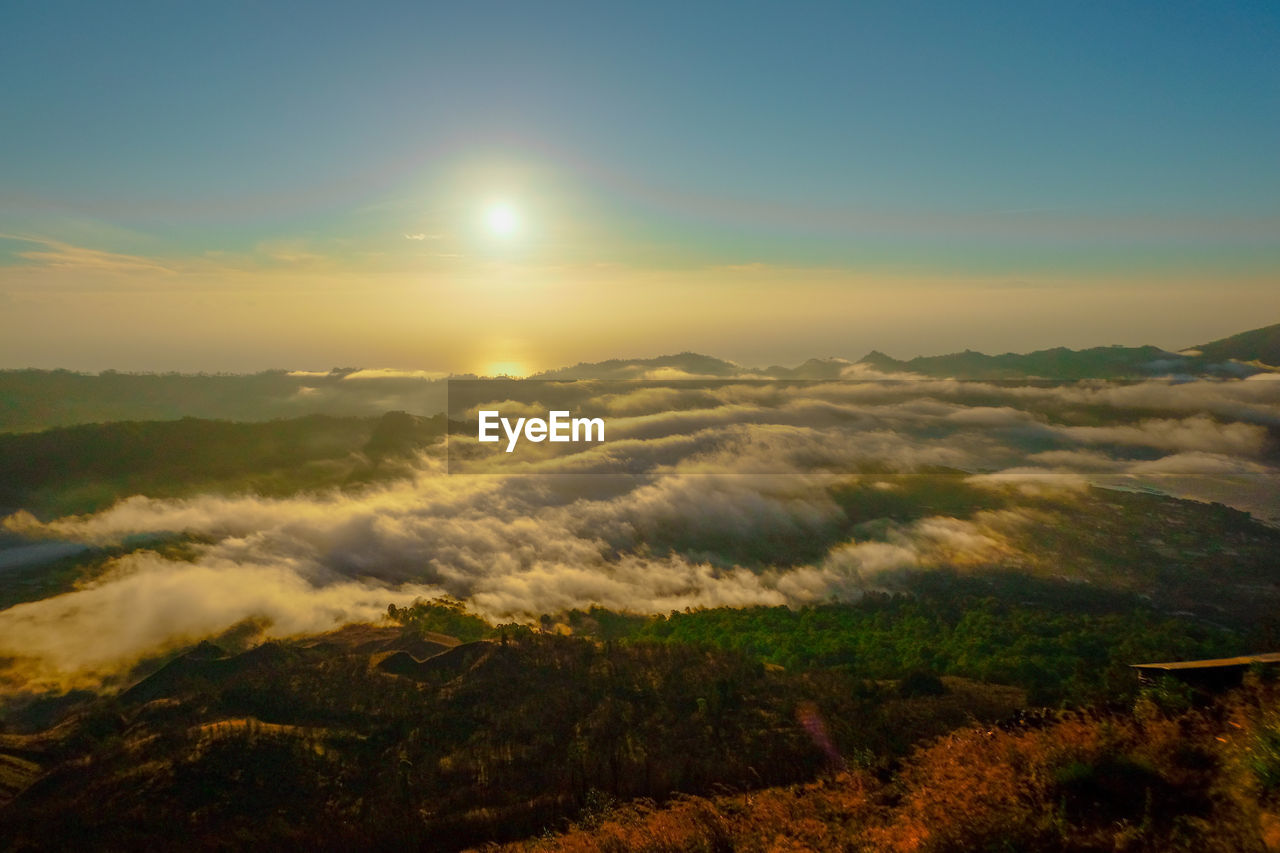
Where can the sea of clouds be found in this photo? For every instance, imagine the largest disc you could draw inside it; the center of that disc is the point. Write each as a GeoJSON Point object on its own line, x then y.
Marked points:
{"type": "Point", "coordinates": [704, 494]}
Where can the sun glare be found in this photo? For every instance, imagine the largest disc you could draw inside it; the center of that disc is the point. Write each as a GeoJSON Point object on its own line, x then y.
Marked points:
{"type": "Point", "coordinates": [502, 220]}
{"type": "Point", "coordinates": [505, 368]}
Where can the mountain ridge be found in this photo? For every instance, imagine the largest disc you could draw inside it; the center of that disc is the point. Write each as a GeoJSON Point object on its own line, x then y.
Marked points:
{"type": "Point", "coordinates": [1237, 356]}
{"type": "Point", "coordinates": [33, 399]}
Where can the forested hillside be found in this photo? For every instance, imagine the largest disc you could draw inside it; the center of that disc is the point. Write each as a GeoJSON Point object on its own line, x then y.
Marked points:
{"type": "Point", "coordinates": [88, 467]}
{"type": "Point", "coordinates": [441, 730]}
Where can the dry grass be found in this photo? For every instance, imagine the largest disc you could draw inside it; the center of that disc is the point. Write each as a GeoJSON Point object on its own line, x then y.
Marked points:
{"type": "Point", "coordinates": [1200, 781]}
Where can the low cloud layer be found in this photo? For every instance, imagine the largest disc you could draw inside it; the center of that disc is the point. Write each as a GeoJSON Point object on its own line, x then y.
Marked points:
{"type": "Point", "coordinates": [703, 496]}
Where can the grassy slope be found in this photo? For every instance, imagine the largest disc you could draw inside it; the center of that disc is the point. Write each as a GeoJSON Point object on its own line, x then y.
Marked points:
{"type": "Point", "coordinates": [1151, 779]}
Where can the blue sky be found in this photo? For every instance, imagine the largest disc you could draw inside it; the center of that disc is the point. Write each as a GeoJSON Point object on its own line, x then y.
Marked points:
{"type": "Point", "coordinates": [997, 144]}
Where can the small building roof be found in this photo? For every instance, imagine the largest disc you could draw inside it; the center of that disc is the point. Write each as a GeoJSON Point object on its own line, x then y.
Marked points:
{"type": "Point", "coordinates": [1212, 663]}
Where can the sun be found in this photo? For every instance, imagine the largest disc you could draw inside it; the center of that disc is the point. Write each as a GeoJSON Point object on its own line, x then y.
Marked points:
{"type": "Point", "coordinates": [512, 369]}
{"type": "Point", "coordinates": [502, 220]}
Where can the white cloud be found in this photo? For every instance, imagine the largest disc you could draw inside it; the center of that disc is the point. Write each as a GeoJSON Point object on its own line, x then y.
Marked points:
{"type": "Point", "coordinates": [702, 496]}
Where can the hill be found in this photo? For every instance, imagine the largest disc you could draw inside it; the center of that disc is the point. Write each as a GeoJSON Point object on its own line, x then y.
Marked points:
{"type": "Point", "coordinates": [1153, 778]}
{"type": "Point", "coordinates": [1060, 363]}
{"type": "Point", "coordinates": [306, 743]}
{"type": "Point", "coordinates": [395, 736]}
{"type": "Point", "coordinates": [87, 467]}
{"type": "Point", "coordinates": [685, 363]}
{"type": "Point", "coordinates": [1218, 359]}
{"type": "Point", "coordinates": [41, 399]}
{"type": "Point", "coordinates": [1261, 345]}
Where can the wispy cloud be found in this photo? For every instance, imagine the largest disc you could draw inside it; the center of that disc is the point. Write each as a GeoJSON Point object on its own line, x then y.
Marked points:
{"type": "Point", "coordinates": [64, 256]}
{"type": "Point", "coordinates": [392, 373]}
{"type": "Point", "coordinates": [294, 251]}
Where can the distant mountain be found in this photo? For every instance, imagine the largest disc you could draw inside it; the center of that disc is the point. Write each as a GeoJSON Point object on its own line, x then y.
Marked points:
{"type": "Point", "coordinates": [1262, 345]}
{"type": "Point", "coordinates": [32, 400]}
{"type": "Point", "coordinates": [1236, 356]}
{"type": "Point", "coordinates": [814, 368]}
{"type": "Point", "coordinates": [691, 363]}
{"type": "Point", "coordinates": [1226, 358]}
{"type": "Point", "coordinates": [879, 361]}
{"type": "Point", "coordinates": [1116, 362]}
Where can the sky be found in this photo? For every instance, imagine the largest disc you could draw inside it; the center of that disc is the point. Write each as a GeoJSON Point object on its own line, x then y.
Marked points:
{"type": "Point", "coordinates": [511, 187]}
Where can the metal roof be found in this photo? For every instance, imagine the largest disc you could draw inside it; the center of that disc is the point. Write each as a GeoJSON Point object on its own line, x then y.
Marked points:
{"type": "Point", "coordinates": [1212, 663]}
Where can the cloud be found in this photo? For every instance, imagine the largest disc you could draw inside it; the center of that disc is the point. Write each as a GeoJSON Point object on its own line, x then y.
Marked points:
{"type": "Point", "coordinates": [704, 494]}
{"type": "Point", "coordinates": [1033, 482]}
{"type": "Point", "coordinates": [853, 568]}
{"type": "Point", "coordinates": [1076, 461]}
{"type": "Point", "coordinates": [673, 374]}
{"type": "Point", "coordinates": [296, 252]}
{"type": "Point", "coordinates": [1247, 402]}
{"type": "Point", "coordinates": [55, 254]}
{"type": "Point", "coordinates": [85, 637]}
{"type": "Point", "coordinates": [391, 373]}
{"type": "Point", "coordinates": [1201, 463]}
{"type": "Point", "coordinates": [849, 571]}
{"type": "Point", "coordinates": [1199, 433]}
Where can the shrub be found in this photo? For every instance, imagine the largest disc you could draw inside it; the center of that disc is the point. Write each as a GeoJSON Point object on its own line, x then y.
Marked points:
{"type": "Point", "coordinates": [920, 682]}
